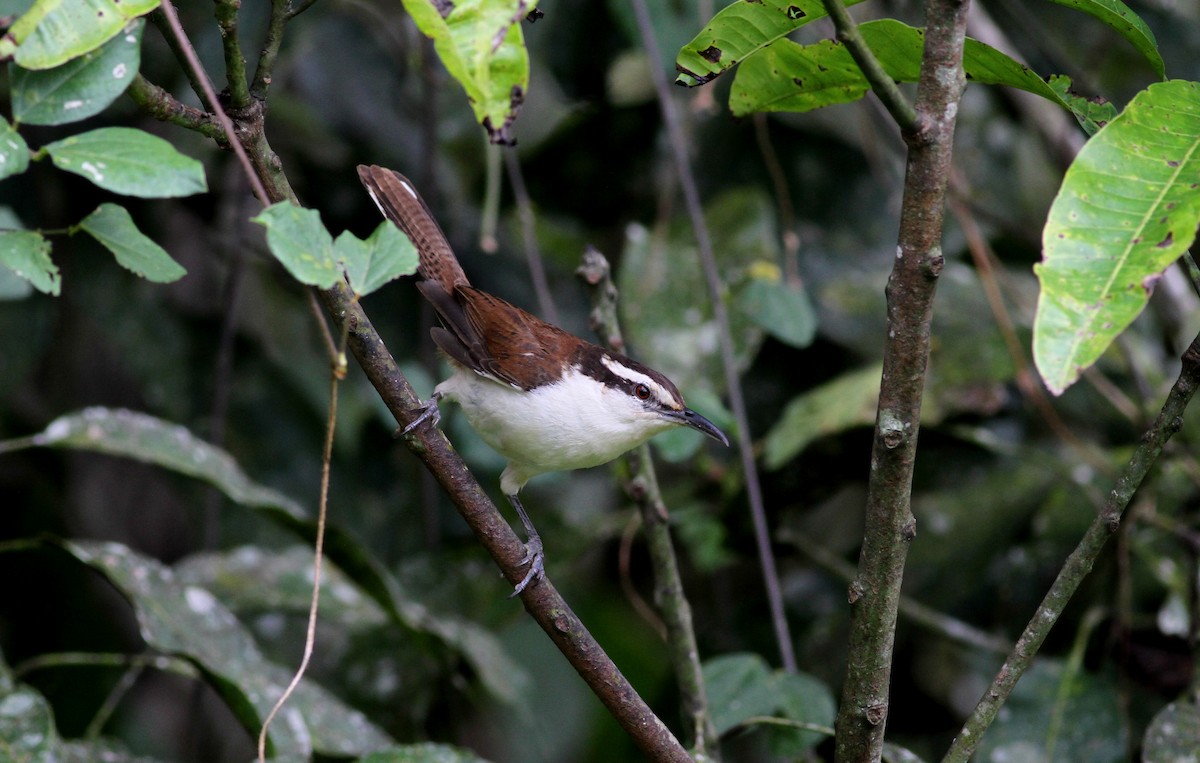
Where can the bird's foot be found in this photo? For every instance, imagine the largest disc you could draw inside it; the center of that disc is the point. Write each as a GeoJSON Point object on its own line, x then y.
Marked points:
{"type": "Point", "coordinates": [429, 411]}
{"type": "Point", "coordinates": [536, 559]}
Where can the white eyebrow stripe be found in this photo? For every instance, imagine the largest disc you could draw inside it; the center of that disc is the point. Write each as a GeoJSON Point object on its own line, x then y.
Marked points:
{"type": "Point", "coordinates": [625, 372]}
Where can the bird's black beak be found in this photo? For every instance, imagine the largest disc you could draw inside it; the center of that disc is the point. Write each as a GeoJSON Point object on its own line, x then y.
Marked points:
{"type": "Point", "coordinates": [690, 418]}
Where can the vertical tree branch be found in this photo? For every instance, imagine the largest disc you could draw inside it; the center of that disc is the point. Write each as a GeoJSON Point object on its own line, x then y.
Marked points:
{"type": "Point", "coordinates": [1080, 562]}
{"type": "Point", "coordinates": [875, 593]}
{"type": "Point", "coordinates": [643, 488]}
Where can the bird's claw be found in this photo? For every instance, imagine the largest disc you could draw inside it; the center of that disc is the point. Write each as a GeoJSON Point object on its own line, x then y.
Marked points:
{"type": "Point", "coordinates": [536, 559]}
{"type": "Point", "coordinates": [429, 410]}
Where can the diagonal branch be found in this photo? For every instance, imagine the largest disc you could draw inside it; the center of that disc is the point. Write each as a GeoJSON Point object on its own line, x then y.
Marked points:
{"type": "Point", "coordinates": [1080, 562]}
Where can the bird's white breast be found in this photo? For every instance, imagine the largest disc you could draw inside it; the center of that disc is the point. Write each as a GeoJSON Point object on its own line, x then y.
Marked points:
{"type": "Point", "coordinates": [574, 423]}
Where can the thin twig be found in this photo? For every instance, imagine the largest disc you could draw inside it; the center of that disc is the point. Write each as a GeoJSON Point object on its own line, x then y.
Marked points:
{"type": "Point", "coordinates": [164, 107]}
{"type": "Point", "coordinates": [281, 13]}
{"type": "Point", "coordinates": [533, 255]}
{"type": "Point", "coordinates": [1081, 560]}
{"type": "Point", "coordinates": [884, 87]}
{"type": "Point", "coordinates": [716, 294]}
{"type": "Point", "coordinates": [337, 373]}
{"type": "Point", "coordinates": [783, 198]}
{"type": "Point", "coordinates": [200, 77]}
{"type": "Point", "coordinates": [226, 13]}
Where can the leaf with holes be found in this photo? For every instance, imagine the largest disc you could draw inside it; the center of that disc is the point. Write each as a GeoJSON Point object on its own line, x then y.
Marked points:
{"type": "Point", "coordinates": [739, 31]}
{"type": "Point", "coordinates": [481, 44]}
{"type": "Point", "coordinates": [787, 76]}
{"type": "Point", "coordinates": [27, 253]}
{"type": "Point", "coordinates": [1128, 207]}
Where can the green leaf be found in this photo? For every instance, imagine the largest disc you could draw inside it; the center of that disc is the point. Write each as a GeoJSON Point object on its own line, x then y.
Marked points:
{"type": "Point", "coordinates": [1128, 207]}
{"type": "Point", "coordinates": [300, 242]}
{"type": "Point", "coordinates": [1174, 735]}
{"type": "Point", "coordinates": [738, 31]}
{"type": "Point", "coordinates": [848, 401]}
{"type": "Point", "coordinates": [112, 226]}
{"type": "Point", "coordinates": [787, 76]}
{"type": "Point", "coordinates": [190, 622]}
{"type": "Point", "coordinates": [804, 698]}
{"type": "Point", "coordinates": [783, 310]}
{"type": "Point", "coordinates": [385, 255]}
{"type": "Point", "coordinates": [79, 88]}
{"type": "Point", "coordinates": [14, 153]}
{"type": "Point", "coordinates": [1128, 24]}
{"type": "Point", "coordinates": [128, 161]}
{"type": "Point", "coordinates": [153, 441]}
{"type": "Point", "coordinates": [739, 686]}
{"type": "Point", "coordinates": [481, 44]}
{"type": "Point", "coordinates": [27, 254]}
{"type": "Point", "coordinates": [68, 29]}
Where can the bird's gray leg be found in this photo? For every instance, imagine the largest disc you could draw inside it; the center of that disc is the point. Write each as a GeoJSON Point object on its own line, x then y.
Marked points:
{"type": "Point", "coordinates": [534, 555]}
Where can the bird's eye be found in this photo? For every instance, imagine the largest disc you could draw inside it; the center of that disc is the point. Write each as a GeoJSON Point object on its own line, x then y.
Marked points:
{"type": "Point", "coordinates": [642, 392]}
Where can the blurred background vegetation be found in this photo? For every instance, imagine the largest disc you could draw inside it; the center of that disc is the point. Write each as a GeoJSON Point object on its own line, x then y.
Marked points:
{"type": "Point", "coordinates": [1006, 482]}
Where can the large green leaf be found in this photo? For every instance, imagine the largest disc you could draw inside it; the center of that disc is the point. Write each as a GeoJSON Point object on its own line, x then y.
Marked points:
{"type": "Point", "coordinates": [741, 687]}
{"type": "Point", "coordinates": [112, 226]}
{"type": "Point", "coordinates": [67, 29]}
{"type": "Point", "coordinates": [27, 253]}
{"type": "Point", "coordinates": [481, 44]}
{"type": "Point", "coordinates": [738, 31]}
{"type": "Point", "coordinates": [128, 161]}
{"type": "Point", "coordinates": [190, 622]}
{"type": "Point", "coordinates": [786, 76]}
{"type": "Point", "coordinates": [1128, 24]}
{"type": "Point", "coordinates": [848, 401]}
{"type": "Point", "coordinates": [1128, 207]}
{"type": "Point", "coordinates": [151, 440]}
{"type": "Point", "coordinates": [14, 152]}
{"type": "Point", "coordinates": [299, 240]}
{"type": "Point", "coordinates": [80, 88]}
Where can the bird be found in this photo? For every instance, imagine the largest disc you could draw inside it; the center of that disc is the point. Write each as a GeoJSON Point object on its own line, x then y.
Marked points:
{"type": "Point", "coordinates": [543, 398]}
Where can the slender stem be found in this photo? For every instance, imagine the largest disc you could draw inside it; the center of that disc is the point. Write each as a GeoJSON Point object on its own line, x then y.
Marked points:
{"type": "Point", "coordinates": [537, 270]}
{"type": "Point", "coordinates": [1081, 560]}
{"type": "Point", "coordinates": [226, 13]}
{"type": "Point", "coordinates": [875, 592]}
{"type": "Point", "coordinates": [337, 373]}
{"type": "Point", "coordinates": [884, 87]}
{"type": "Point", "coordinates": [643, 488]}
{"type": "Point", "coordinates": [199, 76]}
{"type": "Point", "coordinates": [716, 293]}
{"type": "Point", "coordinates": [281, 13]}
{"type": "Point", "coordinates": [783, 197]}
